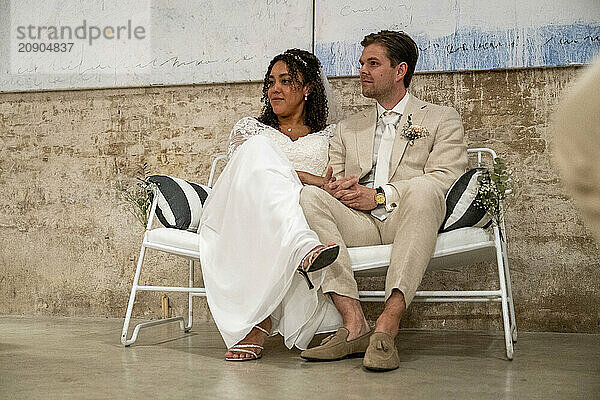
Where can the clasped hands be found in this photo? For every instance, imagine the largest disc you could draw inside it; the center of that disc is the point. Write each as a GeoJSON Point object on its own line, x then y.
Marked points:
{"type": "Point", "coordinates": [349, 191]}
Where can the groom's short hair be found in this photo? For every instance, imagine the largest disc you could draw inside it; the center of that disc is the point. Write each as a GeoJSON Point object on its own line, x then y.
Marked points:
{"type": "Point", "coordinates": [400, 48]}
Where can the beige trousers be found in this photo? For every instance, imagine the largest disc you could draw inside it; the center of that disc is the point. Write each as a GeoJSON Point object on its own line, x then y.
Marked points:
{"type": "Point", "coordinates": [412, 228]}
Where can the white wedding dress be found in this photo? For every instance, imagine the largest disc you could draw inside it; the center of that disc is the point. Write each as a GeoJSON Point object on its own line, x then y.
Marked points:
{"type": "Point", "coordinates": [253, 235]}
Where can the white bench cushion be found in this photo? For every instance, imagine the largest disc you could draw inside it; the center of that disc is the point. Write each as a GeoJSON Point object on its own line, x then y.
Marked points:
{"type": "Point", "coordinates": [472, 243]}
{"type": "Point", "coordinates": [475, 243]}
{"type": "Point", "coordinates": [176, 241]}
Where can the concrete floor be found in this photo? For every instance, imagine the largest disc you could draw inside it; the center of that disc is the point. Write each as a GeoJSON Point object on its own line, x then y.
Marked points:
{"type": "Point", "coordinates": [81, 358]}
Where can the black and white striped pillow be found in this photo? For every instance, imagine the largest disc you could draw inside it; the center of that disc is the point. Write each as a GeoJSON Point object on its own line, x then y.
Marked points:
{"type": "Point", "coordinates": [460, 210]}
{"type": "Point", "coordinates": [179, 202]}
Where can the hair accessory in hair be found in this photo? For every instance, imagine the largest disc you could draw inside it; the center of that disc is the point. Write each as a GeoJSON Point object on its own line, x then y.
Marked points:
{"type": "Point", "coordinates": [297, 57]}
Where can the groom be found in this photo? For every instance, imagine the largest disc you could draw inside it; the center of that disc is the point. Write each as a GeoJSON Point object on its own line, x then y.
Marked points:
{"type": "Point", "coordinates": [393, 165]}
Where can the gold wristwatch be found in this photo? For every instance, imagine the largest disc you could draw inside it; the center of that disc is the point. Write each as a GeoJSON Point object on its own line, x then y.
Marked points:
{"type": "Point", "coordinates": [380, 197]}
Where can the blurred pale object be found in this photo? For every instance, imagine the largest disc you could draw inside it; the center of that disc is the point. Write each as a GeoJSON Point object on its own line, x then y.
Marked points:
{"type": "Point", "coordinates": [577, 144]}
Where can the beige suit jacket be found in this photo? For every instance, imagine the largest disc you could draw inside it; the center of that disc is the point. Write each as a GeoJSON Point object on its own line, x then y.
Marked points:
{"type": "Point", "coordinates": [577, 144]}
{"type": "Point", "coordinates": [436, 160]}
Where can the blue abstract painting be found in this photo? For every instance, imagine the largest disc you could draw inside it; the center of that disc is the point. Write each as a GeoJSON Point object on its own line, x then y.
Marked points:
{"type": "Point", "coordinates": [488, 43]}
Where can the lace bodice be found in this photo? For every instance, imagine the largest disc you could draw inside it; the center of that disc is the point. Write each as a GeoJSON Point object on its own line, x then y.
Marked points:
{"type": "Point", "coordinates": [309, 153]}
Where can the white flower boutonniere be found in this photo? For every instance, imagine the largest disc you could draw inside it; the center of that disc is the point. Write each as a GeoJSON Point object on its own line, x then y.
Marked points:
{"type": "Point", "coordinates": [412, 132]}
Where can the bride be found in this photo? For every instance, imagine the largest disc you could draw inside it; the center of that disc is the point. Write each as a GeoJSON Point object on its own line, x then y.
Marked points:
{"type": "Point", "coordinates": [253, 234]}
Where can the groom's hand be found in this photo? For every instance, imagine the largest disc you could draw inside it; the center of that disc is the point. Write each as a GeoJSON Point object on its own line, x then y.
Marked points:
{"type": "Point", "coordinates": [358, 197]}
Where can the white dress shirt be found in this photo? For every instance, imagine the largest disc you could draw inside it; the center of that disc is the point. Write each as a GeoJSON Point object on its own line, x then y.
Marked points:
{"type": "Point", "coordinates": [369, 179]}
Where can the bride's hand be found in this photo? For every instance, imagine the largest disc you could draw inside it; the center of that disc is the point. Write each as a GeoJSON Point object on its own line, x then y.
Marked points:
{"type": "Point", "coordinates": [328, 178]}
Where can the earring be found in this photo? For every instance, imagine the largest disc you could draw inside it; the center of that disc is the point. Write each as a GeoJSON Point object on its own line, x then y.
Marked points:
{"type": "Point", "coordinates": [305, 97]}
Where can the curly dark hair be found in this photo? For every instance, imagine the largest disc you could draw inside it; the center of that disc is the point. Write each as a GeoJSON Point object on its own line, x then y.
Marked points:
{"type": "Point", "coordinates": [400, 48]}
{"type": "Point", "coordinates": [304, 69]}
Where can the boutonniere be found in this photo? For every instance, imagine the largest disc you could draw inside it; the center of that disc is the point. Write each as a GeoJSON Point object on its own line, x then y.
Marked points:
{"type": "Point", "coordinates": [412, 132]}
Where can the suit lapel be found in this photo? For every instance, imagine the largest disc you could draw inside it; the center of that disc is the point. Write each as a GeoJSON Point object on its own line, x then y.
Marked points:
{"type": "Point", "coordinates": [365, 138]}
{"type": "Point", "coordinates": [416, 109]}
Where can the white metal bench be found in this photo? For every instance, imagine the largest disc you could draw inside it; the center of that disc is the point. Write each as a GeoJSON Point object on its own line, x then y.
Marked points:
{"type": "Point", "coordinates": [460, 247]}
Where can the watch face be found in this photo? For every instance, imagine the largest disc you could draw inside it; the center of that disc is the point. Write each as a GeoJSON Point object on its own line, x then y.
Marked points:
{"type": "Point", "coordinates": [380, 198]}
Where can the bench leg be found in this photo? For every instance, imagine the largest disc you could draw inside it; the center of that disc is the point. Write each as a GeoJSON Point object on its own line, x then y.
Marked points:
{"type": "Point", "coordinates": [505, 312]}
{"type": "Point", "coordinates": [511, 306]}
{"type": "Point", "coordinates": [136, 279]}
{"type": "Point", "coordinates": [128, 342]}
{"type": "Point", "coordinates": [188, 327]}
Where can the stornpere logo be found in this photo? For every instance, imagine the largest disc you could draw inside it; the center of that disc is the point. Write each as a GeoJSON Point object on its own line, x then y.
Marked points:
{"type": "Point", "coordinates": [89, 33]}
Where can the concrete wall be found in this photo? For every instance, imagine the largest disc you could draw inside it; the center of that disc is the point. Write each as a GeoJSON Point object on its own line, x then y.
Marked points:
{"type": "Point", "coordinates": [68, 245]}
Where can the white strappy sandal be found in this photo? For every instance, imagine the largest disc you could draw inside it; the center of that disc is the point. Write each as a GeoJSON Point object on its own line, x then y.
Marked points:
{"type": "Point", "coordinates": [245, 348]}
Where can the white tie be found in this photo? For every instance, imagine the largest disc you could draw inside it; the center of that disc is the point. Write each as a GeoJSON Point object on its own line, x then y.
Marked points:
{"type": "Point", "coordinates": [382, 168]}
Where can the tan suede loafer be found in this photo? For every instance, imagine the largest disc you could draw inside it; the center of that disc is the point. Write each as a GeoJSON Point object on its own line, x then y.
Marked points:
{"type": "Point", "coordinates": [382, 354]}
{"type": "Point", "coordinates": [336, 347]}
